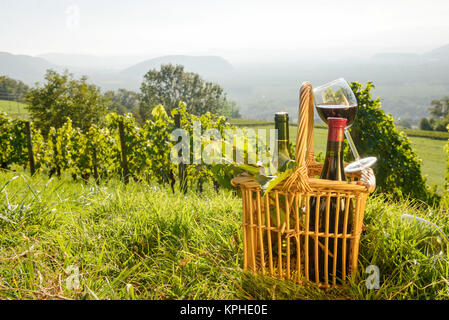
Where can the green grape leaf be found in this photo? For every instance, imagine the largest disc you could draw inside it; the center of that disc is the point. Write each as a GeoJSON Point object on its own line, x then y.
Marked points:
{"type": "Point", "coordinates": [274, 180]}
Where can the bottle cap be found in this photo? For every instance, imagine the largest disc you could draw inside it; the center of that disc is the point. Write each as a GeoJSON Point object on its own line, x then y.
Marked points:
{"type": "Point", "coordinates": [337, 122]}
{"type": "Point", "coordinates": [336, 129]}
{"type": "Point", "coordinates": [281, 115]}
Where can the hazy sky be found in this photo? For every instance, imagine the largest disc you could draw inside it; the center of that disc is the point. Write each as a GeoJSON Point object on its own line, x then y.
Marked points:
{"type": "Point", "coordinates": [236, 30]}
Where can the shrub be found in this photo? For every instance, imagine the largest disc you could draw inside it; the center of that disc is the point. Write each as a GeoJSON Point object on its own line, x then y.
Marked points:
{"type": "Point", "coordinates": [445, 198]}
{"type": "Point", "coordinates": [62, 96]}
{"type": "Point", "coordinates": [398, 169]}
{"type": "Point", "coordinates": [424, 124]}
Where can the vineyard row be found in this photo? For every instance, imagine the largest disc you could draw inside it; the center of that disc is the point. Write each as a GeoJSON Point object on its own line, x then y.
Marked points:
{"type": "Point", "coordinates": [119, 147]}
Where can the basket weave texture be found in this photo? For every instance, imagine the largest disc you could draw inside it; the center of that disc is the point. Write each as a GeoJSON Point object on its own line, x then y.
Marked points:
{"type": "Point", "coordinates": [283, 237]}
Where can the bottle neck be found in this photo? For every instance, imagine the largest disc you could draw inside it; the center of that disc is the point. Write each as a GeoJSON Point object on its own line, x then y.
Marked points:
{"type": "Point", "coordinates": [333, 168]}
{"type": "Point", "coordinates": [336, 133]}
{"type": "Point", "coordinates": [281, 125]}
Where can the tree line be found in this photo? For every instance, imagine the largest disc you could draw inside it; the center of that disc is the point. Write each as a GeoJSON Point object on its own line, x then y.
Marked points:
{"type": "Point", "coordinates": [12, 90]}
{"type": "Point", "coordinates": [61, 95]}
{"type": "Point", "coordinates": [439, 116]}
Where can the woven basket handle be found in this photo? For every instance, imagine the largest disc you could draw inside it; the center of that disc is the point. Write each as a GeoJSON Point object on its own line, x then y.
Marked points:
{"type": "Point", "coordinates": [304, 141]}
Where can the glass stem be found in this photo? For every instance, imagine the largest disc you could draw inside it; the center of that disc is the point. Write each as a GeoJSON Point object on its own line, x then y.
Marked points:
{"type": "Point", "coordinates": [355, 153]}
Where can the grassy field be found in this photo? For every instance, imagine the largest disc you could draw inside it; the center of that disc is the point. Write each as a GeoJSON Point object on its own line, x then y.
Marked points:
{"type": "Point", "coordinates": [430, 149]}
{"type": "Point", "coordinates": [62, 239]}
{"type": "Point", "coordinates": [14, 109]}
{"type": "Point", "coordinates": [433, 159]}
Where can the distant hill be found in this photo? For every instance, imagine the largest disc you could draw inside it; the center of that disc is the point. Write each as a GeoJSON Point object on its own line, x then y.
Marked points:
{"type": "Point", "coordinates": [85, 62]}
{"type": "Point", "coordinates": [32, 69]}
{"type": "Point", "coordinates": [406, 82]}
{"type": "Point", "coordinates": [72, 60]}
{"type": "Point", "coordinates": [397, 58]}
{"type": "Point", "coordinates": [26, 68]}
{"type": "Point", "coordinates": [204, 65]}
{"type": "Point", "coordinates": [440, 54]}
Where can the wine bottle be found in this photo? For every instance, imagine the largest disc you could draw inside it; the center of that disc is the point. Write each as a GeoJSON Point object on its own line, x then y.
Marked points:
{"type": "Point", "coordinates": [282, 164]}
{"type": "Point", "coordinates": [333, 169]}
{"type": "Point", "coordinates": [284, 160]}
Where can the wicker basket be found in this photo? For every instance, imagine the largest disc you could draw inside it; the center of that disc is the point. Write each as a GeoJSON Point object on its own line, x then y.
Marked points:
{"type": "Point", "coordinates": [283, 238]}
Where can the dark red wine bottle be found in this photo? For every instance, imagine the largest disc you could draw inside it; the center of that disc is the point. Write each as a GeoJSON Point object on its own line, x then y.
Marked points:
{"type": "Point", "coordinates": [333, 169]}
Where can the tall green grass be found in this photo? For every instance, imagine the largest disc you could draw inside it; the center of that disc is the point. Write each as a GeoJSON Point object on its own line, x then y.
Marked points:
{"type": "Point", "coordinates": [140, 241]}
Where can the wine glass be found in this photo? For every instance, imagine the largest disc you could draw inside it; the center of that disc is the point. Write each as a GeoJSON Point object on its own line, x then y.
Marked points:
{"type": "Point", "coordinates": [336, 99]}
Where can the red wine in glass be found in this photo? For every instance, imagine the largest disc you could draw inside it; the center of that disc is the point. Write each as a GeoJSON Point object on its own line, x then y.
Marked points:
{"type": "Point", "coordinates": [326, 111]}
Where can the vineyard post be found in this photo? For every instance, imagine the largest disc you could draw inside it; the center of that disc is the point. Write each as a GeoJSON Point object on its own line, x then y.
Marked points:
{"type": "Point", "coordinates": [121, 128]}
{"type": "Point", "coordinates": [94, 160]}
{"type": "Point", "coordinates": [30, 148]}
{"type": "Point", "coordinates": [181, 167]}
{"type": "Point", "coordinates": [58, 168]}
